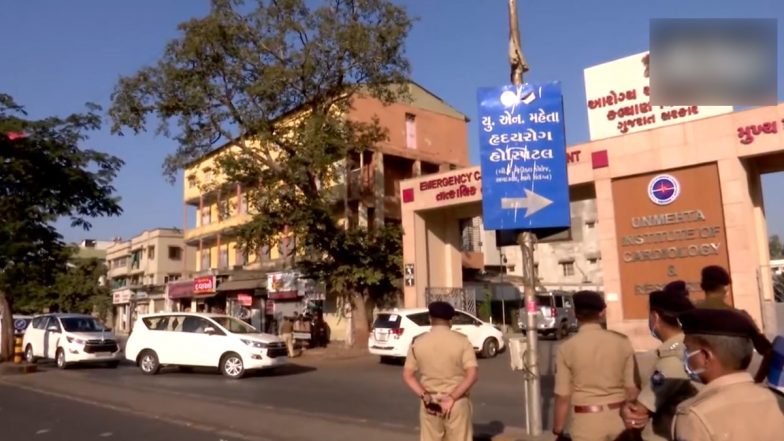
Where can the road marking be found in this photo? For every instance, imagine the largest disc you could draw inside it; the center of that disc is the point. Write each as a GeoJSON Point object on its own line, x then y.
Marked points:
{"type": "Point", "coordinates": [42, 431]}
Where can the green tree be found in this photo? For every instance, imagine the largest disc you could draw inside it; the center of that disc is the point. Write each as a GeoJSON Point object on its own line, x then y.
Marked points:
{"type": "Point", "coordinates": [79, 287]}
{"type": "Point", "coordinates": [274, 79]}
{"type": "Point", "coordinates": [775, 247]}
{"type": "Point", "coordinates": [44, 175]}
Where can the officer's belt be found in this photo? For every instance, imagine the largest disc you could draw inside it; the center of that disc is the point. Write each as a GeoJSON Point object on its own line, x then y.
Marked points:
{"type": "Point", "coordinates": [598, 407]}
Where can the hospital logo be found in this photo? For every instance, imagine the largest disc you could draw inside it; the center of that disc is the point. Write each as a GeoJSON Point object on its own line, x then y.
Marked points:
{"type": "Point", "coordinates": [664, 189]}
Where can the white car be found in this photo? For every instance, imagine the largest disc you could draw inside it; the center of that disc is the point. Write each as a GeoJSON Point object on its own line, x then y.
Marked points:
{"type": "Point", "coordinates": [202, 340]}
{"type": "Point", "coordinates": [393, 331]}
{"type": "Point", "coordinates": [70, 339]}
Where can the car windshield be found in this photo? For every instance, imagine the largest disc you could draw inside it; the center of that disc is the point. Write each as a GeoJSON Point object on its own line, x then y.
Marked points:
{"type": "Point", "coordinates": [82, 324]}
{"type": "Point", "coordinates": [235, 326]}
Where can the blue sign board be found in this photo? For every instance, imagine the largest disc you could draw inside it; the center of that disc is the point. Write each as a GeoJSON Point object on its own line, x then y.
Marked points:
{"type": "Point", "coordinates": [522, 145]}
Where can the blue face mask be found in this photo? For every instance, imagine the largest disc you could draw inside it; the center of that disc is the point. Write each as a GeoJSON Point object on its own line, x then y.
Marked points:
{"type": "Point", "coordinates": [694, 374]}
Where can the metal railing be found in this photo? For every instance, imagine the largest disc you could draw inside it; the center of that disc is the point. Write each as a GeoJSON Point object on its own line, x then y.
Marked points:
{"type": "Point", "coordinates": [460, 298]}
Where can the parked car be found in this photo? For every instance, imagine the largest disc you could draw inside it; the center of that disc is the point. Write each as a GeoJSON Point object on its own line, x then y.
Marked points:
{"type": "Point", "coordinates": [70, 339]}
{"type": "Point", "coordinates": [393, 331]}
{"type": "Point", "coordinates": [555, 314]}
{"type": "Point", "coordinates": [202, 340]}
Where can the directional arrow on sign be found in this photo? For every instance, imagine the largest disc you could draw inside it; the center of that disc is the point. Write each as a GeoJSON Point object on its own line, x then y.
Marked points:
{"type": "Point", "coordinates": [532, 203]}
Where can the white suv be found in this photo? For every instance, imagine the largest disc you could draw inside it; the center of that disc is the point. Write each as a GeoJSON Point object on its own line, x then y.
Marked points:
{"type": "Point", "coordinates": [207, 340]}
{"type": "Point", "coordinates": [393, 331]}
{"type": "Point", "coordinates": [70, 339]}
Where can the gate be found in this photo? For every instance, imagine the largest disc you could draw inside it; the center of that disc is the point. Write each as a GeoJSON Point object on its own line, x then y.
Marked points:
{"type": "Point", "coordinates": [460, 298]}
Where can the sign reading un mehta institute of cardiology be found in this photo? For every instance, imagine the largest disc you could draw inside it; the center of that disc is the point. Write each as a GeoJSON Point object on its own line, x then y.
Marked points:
{"type": "Point", "coordinates": [523, 150]}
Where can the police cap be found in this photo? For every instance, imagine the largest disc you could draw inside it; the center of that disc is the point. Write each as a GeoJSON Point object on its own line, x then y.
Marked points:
{"type": "Point", "coordinates": [441, 310]}
{"type": "Point", "coordinates": [586, 302]}
{"type": "Point", "coordinates": [676, 287]}
{"type": "Point", "coordinates": [726, 322]}
{"type": "Point", "coordinates": [715, 275]}
{"type": "Point", "coordinates": [672, 303]}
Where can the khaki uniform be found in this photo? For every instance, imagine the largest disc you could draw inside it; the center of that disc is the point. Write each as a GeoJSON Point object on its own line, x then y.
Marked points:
{"type": "Point", "coordinates": [287, 335]}
{"type": "Point", "coordinates": [731, 408]}
{"type": "Point", "coordinates": [594, 367]}
{"type": "Point", "coordinates": [667, 386]}
{"type": "Point", "coordinates": [441, 357]}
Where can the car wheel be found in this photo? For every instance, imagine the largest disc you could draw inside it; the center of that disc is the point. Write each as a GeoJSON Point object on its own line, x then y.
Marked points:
{"type": "Point", "coordinates": [490, 348]}
{"type": "Point", "coordinates": [113, 364]}
{"type": "Point", "coordinates": [148, 362]}
{"type": "Point", "coordinates": [562, 332]}
{"type": "Point", "coordinates": [232, 366]}
{"type": "Point", "coordinates": [29, 357]}
{"type": "Point", "coordinates": [59, 359]}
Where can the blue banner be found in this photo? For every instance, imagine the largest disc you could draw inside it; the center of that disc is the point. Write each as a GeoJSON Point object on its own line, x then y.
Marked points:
{"type": "Point", "coordinates": [522, 144]}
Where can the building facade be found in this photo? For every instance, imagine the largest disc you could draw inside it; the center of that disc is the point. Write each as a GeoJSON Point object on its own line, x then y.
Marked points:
{"type": "Point", "coordinates": [425, 136]}
{"type": "Point", "coordinates": [139, 270]}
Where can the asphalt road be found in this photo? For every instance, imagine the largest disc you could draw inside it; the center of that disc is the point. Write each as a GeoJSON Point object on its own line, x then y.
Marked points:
{"type": "Point", "coordinates": [26, 415]}
{"type": "Point", "coordinates": [362, 389]}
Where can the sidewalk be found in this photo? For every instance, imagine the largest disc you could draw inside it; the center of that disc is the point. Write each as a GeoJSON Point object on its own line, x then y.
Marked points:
{"type": "Point", "coordinates": [235, 419]}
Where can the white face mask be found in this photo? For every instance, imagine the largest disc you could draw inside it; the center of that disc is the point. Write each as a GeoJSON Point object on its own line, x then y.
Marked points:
{"type": "Point", "coordinates": [694, 374]}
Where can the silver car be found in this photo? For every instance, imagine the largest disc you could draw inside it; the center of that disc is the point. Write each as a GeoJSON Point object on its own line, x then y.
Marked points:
{"type": "Point", "coordinates": [554, 316]}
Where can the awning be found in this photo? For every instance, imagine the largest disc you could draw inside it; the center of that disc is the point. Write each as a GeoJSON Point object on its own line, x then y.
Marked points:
{"type": "Point", "coordinates": [593, 254]}
{"type": "Point", "coordinates": [566, 259]}
{"type": "Point", "coordinates": [242, 285]}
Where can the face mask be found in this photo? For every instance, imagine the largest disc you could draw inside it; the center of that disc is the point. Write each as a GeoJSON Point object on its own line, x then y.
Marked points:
{"type": "Point", "coordinates": [694, 374]}
{"type": "Point", "coordinates": [651, 328]}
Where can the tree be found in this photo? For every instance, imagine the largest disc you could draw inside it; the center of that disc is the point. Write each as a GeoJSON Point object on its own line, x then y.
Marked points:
{"type": "Point", "coordinates": [44, 176]}
{"type": "Point", "coordinates": [79, 288]}
{"type": "Point", "coordinates": [775, 247]}
{"type": "Point", "coordinates": [273, 80]}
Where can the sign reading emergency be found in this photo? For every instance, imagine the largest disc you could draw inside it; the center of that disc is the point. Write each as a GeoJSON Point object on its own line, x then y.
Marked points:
{"type": "Point", "coordinates": [522, 146]}
{"type": "Point", "coordinates": [618, 100]}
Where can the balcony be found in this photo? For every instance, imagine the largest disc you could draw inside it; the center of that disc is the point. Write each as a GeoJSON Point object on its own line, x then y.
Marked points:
{"type": "Point", "coordinates": [473, 259]}
{"type": "Point", "coordinates": [361, 183]}
{"type": "Point", "coordinates": [118, 271]}
{"type": "Point", "coordinates": [203, 231]}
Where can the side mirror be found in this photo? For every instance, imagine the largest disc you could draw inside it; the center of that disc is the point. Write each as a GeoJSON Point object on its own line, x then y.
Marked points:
{"type": "Point", "coordinates": [209, 330]}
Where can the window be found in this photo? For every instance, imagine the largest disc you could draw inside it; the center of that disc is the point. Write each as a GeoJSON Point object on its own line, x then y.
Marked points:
{"type": "Point", "coordinates": [223, 258]}
{"type": "Point", "coordinates": [151, 252]}
{"type": "Point", "coordinates": [559, 302]}
{"type": "Point", "coordinates": [387, 321]}
{"type": "Point", "coordinates": [463, 319]}
{"type": "Point", "coordinates": [197, 325]}
{"type": "Point", "coordinates": [286, 246]}
{"type": "Point", "coordinates": [223, 210]}
{"type": "Point", "coordinates": [208, 175]}
{"type": "Point", "coordinates": [568, 268]}
{"type": "Point", "coordinates": [53, 323]}
{"type": "Point", "coordinates": [136, 259]}
{"type": "Point", "coordinates": [191, 181]}
{"type": "Point", "coordinates": [39, 322]}
{"type": "Point", "coordinates": [175, 253]}
{"type": "Point", "coordinates": [206, 259]}
{"type": "Point", "coordinates": [206, 214]}
{"type": "Point", "coordinates": [239, 256]}
{"type": "Point", "coordinates": [593, 261]}
{"type": "Point", "coordinates": [421, 318]}
{"type": "Point", "coordinates": [156, 323]}
{"type": "Point", "coordinates": [411, 136]}
{"type": "Point", "coordinates": [171, 278]}
{"type": "Point", "coordinates": [590, 224]}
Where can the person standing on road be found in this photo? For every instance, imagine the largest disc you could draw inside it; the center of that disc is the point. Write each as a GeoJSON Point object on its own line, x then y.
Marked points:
{"type": "Point", "coordinates": [594, 375]}
{"type": "Point", "coordinates": [287, 334]}
{"type": "Point", "coordinates": [730, 406]}
{"type": "Point", "coordinates": [446, 363]}
{"type": "Point", "coordinates": [668, 384]}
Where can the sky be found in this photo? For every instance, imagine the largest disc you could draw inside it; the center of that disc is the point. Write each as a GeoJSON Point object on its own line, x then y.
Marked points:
{"type": "Point", "coordinates": [58, 55]}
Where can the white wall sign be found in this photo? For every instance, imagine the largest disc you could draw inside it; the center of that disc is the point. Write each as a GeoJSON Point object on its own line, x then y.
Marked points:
{"type": "Point", "coordinates": [618, 100]}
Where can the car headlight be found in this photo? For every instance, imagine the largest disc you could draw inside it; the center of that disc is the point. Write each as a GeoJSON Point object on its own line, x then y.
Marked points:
{"type": "Point", "coordinates": [78, 341]}
{"type": "Point", "coordinates": [255, 344]}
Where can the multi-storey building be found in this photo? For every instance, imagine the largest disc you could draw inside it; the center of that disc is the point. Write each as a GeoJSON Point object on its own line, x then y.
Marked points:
{"type": "Point", "coordinates": [425, 135]}
{"type": "Point", "coordinates": [140, 268]}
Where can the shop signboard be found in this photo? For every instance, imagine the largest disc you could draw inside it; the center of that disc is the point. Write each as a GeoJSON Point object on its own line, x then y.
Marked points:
{"type": "Point", "coordinates": [204, 285]}
{"type": "Point", "coordinates": [283, 285]}
{"type": "Point", "coordinates": [522, 147]}
{"type": "Point", "coordinates": [121, 297]}
{"type": "Point", "coordinates": [245, 299]}
{"type": "Point", "coordinates": [180, 289]}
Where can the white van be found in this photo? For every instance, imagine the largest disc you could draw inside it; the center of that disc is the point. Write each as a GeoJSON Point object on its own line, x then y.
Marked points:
{"type": "Point", "coordinates": [204, 340]}
{"type": "Point", "coordinates": [70, 339]}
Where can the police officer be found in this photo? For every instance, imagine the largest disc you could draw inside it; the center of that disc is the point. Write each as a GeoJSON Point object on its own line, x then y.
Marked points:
{"type": "Point", "coordinates": [594, 375]}
{"type": "Point", "coordinates": [730, 406]}
{"type": "Point", "coordinates": [668, 385]}
{"type": "Point", "coordinates": [447, 365]}
{"type": "Point", "coordinates": [715, 281]}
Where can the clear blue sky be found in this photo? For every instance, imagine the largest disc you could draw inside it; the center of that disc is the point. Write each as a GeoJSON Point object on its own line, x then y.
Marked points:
{"type": "Point", "coordinates": [59, 54]}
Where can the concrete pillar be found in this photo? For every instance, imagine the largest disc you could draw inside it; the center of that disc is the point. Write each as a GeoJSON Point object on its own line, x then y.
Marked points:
{"type": "Point", "coordinates": [769, 319]}
{"type": "Point", "coordinates": [416, 169]}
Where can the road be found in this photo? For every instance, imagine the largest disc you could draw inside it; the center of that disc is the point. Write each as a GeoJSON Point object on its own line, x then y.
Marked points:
{"type": "Point", "coordinates": [27, 416]}
{"type": "Point", "coordinates": [361, 389]}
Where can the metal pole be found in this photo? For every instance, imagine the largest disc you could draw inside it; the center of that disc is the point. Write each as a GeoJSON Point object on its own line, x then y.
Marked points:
{"type": "Point", "coordinates": [526, 240]}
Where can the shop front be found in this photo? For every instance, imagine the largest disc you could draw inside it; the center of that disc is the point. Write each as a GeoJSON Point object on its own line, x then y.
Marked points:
{"type": "Point", "coordinates": [191, 295]}
{"type": "Point", "coordinates": [244, 299]}
{"type": "Point", "coordinates": [121, 301]}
